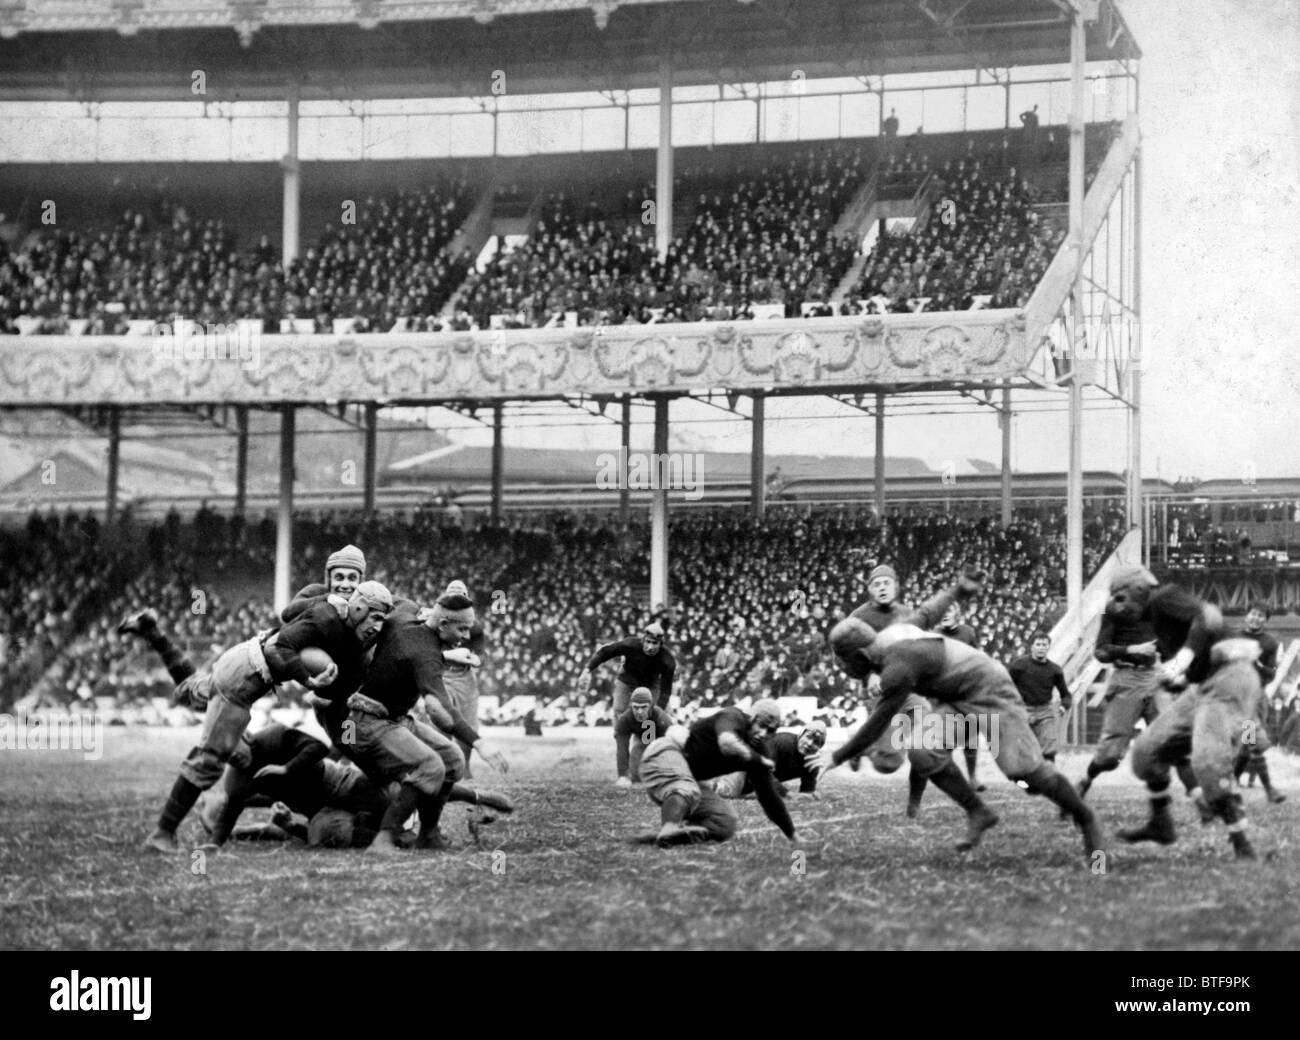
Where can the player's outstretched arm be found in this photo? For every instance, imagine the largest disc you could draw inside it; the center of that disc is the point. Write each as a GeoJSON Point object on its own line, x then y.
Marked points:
{"type": "Point", "coordinates": [770, 797]}
{"type": "Point", "coordinates": [897, 680]}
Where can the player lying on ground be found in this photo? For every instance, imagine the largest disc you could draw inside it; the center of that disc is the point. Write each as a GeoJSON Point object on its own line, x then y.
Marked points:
{"type": "Point", "coordinates": [673, 767]}
{"type": "Point", "coordinates": [793, 757]}
{"type": "Point", "coordinates": [882, 610]}
{"type": "Point", "coordinates": [286, 765]}
{"type": "Point", "coordinates": [248, 671]}
{"type": "Point", "coordinates": [291, 767]}
{"type": "Point", "coordinates": [634, 731]}
{"type": "Point", "coordinates": [963, 683]}
{"type": "Point", "coordinates": [1206, 726]}
{"type": "Point", "coordinates": [390, 744]}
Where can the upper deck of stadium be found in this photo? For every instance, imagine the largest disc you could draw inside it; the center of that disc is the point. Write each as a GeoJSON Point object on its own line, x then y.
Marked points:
{"type": "Point", "coordinates": [147, 49]}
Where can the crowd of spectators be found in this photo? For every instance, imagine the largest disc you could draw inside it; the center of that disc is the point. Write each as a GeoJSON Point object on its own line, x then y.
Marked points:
{"type": "Point", "coordinates": [982, 237]}
{"type": "Point", "coordinates": [759, 232]}
{"type": "Point", "coordinates": [752, 601]}
{"type": "Point", "coordinates": [391, 261]}
{"type": "Point", "coordinates": [764, 237]}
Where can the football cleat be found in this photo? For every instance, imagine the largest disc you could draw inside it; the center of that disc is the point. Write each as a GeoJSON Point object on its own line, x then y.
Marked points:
{"type": "Point", "coordinates": [162, 841]}
{"type": "Point", "coordinates": [1160, 829]}
{"type": "Point", "coordinates": [499, 802]}
{"type": "Point", "coordinates": [384, 845]}
{"type": "Point", "coordinates": [977, 823]}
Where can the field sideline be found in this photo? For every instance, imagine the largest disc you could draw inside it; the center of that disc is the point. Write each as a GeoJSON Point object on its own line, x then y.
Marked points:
{"type": "Point", "coordinates": [561, 875]}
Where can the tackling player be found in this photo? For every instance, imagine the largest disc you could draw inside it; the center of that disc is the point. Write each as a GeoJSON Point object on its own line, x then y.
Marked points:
{"type": "Point", "coordinates": [952, 626]}
{"type": "Point", "coordinates": [962, 683]}
{"type": "Point", "coordinates": [882, 610]}
{"type": "Point", "coordinates": [248, 671]}
{"type": "Point", "coordinates": [390, 744]}
{"type": "Point", "coordinates": [673, 766]}
{"type": "Point", "coordinates": [794, 757]}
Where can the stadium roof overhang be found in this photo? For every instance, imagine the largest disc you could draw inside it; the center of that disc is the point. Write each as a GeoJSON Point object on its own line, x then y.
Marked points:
{"type": "Point", "coordinates": [133, 50]}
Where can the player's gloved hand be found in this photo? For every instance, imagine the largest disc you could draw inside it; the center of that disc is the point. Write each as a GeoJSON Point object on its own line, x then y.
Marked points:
{"type": "Point", "coordinates": [492, 756]}
{"type": "Point", "coordinates": [339, 603]}
{"type": "Point", "coordinates": [462, 655]}
{"type": "Point", "coordinates": [319, 682]}
{"type": "Point", "coordinates": [266, 771]}
{"type": "Point", "coordinates": [424, 614]}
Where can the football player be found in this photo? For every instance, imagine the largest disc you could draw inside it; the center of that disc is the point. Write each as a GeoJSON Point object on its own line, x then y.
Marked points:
{"type": "Point", "coordinates": [393, 746]}
{"type": "Point", "coordinates": [960, 681]}
{"type": "Point", "coordinates": [646, 662]}
{"type": "Point", "coordinates": [288, 767]}
{"type": "Point", "coordinates": [1250, 759]}
{"type": "Point", "coordinates": [641, 724]}
{"type": "Point", "coordinates": [794, 757]}
{"type": "Point", "coordinates": [1206, 725]}
{"type": "Point", "coordinates": [881, 610]}
{"type": "Point", "coordinates": [249, 670]}
{"type": "Point", "coordinates": [673, 767]}
{"type": "Point", "coordinates": [1036, 678]}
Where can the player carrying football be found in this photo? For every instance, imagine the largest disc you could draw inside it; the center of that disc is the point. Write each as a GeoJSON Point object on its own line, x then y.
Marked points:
{"type": "Point", "coordinates": [248, 671]}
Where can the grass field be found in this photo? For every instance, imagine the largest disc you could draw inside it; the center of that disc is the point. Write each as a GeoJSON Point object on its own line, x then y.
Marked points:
{"type": "Point", "coordinates": [561, 874]}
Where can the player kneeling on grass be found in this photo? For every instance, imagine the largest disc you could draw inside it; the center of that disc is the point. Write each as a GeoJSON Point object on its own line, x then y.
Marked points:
{"type": "Point", "coordinates": [394, 747]}
{"type": "Point", "coordinates": [673, 767]}
{"type": "Point", "coordinates": [249, 671]}
{"type": "Point", "coordinates": [965, 684]}
{"type": "Point", "coordinates": [638, 727]}
{"type": "Point", "coordinates": [794, 757]}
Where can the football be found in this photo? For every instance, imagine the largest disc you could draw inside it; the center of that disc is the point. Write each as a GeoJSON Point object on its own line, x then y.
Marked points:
{"type": "Point", "coordinates": [315, 659]}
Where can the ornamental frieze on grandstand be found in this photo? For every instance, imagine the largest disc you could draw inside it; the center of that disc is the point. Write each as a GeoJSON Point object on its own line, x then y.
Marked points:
{"type": "Point", "coordinates": [817, 352]}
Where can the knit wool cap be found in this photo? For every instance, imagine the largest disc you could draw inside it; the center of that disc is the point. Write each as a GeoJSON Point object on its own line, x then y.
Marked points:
{"type": "Point", "coordinates": [348, 556]}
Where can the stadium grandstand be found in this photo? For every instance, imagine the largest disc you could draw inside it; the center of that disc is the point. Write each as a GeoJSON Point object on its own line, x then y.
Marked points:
{"type": "Point", "coordinates": [260, 263]}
